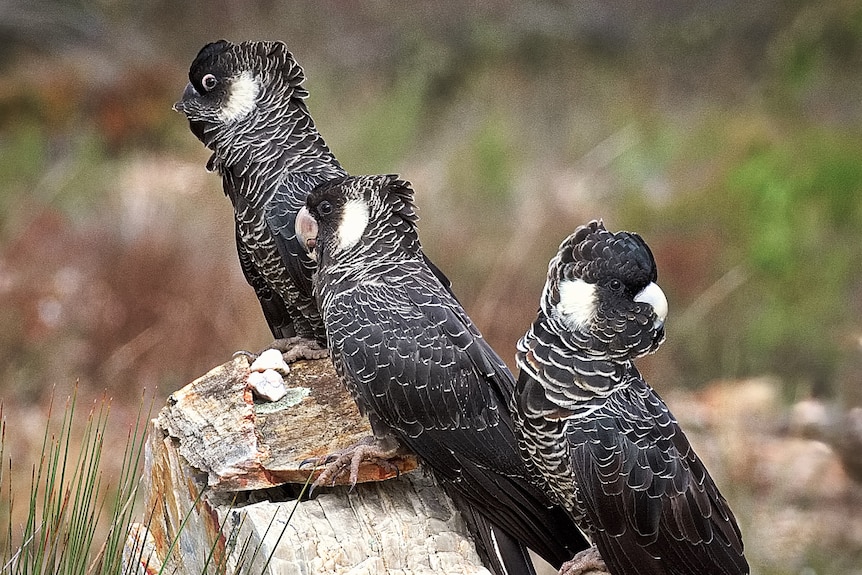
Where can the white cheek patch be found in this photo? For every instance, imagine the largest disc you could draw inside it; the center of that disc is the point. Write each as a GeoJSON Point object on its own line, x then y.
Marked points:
{"type": "Point", "coordinates": [354, 220]}
{"type": "Point", "coordinates": [241, 99]}
{"type": "Point", "coordinates": [577, 305]}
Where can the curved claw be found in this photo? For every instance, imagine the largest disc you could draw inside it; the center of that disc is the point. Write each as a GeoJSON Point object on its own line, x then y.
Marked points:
{"type": "Point", "coordinates": [321, 478]}
{"type": "Point", "coordinates": [586, 561]}
{"type": "Point", "coordinates": [318, 461]}
{"type": "Point", "coordinates": [305, 462]}
{"type": "Point", "coordinates": [351, 458]}
{"type": "Point", "coordinates": [297, 348]}
{"type": "Point", "coordinates": [251, 356]}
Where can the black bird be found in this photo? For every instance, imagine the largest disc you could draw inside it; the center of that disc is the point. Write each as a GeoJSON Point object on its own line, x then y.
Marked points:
{"type": "Point", "coordinates": [600, 437]}
{"type": "Point", "coordinates": [246, 103]}
{"type": "Point", "coordinates": [421, 371]}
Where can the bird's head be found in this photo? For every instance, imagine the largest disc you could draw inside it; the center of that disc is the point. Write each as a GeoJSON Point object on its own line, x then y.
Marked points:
{"type": "Point", "coordinates": [601, 286]}
{"type": "Point", "coordinates": [359, 214]}
{"type": "Point", "coordinates": [231, 83]}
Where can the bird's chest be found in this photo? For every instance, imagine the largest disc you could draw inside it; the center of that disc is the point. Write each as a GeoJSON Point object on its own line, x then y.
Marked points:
{"type": "Point", "coordinates": [353, 386]}
{"type": "Point", "coordinates": [544, 447]}
{"type": "Point", "coordinates": [260, 243]}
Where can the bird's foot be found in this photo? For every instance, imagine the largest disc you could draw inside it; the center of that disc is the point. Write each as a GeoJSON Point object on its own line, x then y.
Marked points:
{"type": "Point", "coordinates": [296, 348]}
{"type": "Point", "coordinates": [291, 348]}
{"type": "Point", "coordinates": [375, 449]}
{"type": "Point", "coordinates": [251, 356]}
{"type": "Point", "coordinates": [585, 562]}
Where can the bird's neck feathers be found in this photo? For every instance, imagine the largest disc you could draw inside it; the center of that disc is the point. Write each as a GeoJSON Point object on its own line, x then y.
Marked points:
{"type": "Point", "coordinates": [573, 377]}
{"type": "Point", "coordinates": [591, 335]}
{"type": "Point", "coordinates": [580, 357]}
{"type": "Point", "coordinates": [567, 349]}
{"type": "Point", "coordinates": [276, 137]}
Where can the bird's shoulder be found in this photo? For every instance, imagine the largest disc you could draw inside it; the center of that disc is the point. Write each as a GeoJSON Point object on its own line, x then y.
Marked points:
{"type": "Point", "coordinates": [402, 303]}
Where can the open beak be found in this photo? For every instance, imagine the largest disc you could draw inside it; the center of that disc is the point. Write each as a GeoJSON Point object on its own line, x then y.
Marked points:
{"type": "Point", "coordinates": [188, 94]}
{"type": "Point", "coordinates": [305, 227]}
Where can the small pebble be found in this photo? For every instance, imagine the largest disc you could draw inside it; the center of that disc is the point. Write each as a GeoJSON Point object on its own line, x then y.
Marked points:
{"type": "Point", "coordinates": [267, 384]}
{"type": "Point", "coordinates": [270, 359]}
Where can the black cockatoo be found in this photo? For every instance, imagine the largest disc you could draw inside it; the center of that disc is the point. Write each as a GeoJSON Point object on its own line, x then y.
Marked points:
{"type": "Point", "coordinates": [601, 439]}
{"type": "Point", "coordinates": [421, 371]}
{"type": "Point", "coordinates": [246, 103]}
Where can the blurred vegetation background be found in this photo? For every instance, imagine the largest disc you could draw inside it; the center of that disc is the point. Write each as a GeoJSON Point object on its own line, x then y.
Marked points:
{"type": "Point", "coordinates": [729, 134]}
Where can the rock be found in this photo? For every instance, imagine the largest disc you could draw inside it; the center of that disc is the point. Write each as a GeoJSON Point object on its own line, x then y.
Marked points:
{"type": "Point", "coordinates": [223, 478]}
{"type": "Point", "coordinates": [241, 444]}
{"type": "Point", "coordinates": [267, 384]}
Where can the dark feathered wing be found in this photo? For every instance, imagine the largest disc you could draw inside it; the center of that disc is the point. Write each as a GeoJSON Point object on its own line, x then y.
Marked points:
{"type": "Point", "coordinates": [275, 310]}
{"type": "Point", "coordinates": [280, 218]}
{"type": "Point", "coordinates": [646, 491]}
{"type": "Point", "coordinates": [415, 361]}
{"type": "Point", "coordinates": [603, 441]}
{"type": "Point", "coordinates": [269, 160]}
{"type": "Point", "coordinates": [273, 261]}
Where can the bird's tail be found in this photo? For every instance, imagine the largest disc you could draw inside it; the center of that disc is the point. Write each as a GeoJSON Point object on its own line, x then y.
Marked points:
{"type": "Point", "coordinates": [499, 551]}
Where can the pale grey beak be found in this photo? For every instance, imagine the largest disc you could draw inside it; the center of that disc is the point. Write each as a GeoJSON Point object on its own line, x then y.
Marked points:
{"type": "Point", "coordinates": [653, 295]}
{"type": "Point", "coordinates": [305, 227]}
{"type": "Point", "coordinates": [188, 94]}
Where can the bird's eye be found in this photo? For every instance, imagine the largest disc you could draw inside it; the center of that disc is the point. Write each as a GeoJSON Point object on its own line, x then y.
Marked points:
{"type": "Point", "coordinates": [209, 82]}
{"type": "Point", "coordinates": [324, 208]}
{"type": "Point", "coordinates": [615, 285]}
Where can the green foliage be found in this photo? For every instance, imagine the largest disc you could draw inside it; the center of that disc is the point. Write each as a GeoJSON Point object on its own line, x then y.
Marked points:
{"type": "Point", "coordinates": [797, 201]}
{"type": "Point", "coordinates": [77, 525]}
{"type": "Point", "coordinates": [820, 40]}
{"type": "Point", "coordinates": [24, 154]}
{"type": "Point", "coordinates": [780, 206]}
{"type": "Point", "coordinates": [386, 128]}
{"type": "Point", "coordinates": [67, 172]}
{"type": "Point", "coordinates": [485, 165]}
{"type": "Point", "coordinates": [385, 119]}
{"type": "Point", "coordinates": [67, 501]}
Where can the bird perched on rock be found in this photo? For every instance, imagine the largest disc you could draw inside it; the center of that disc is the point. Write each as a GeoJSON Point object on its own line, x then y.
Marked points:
{"type": "Point", "coordinates": [246, 103]}
{"type": "Point", "coordinates": [418, 367]}
{"type": "Point", "coordinates": [601, 439]}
